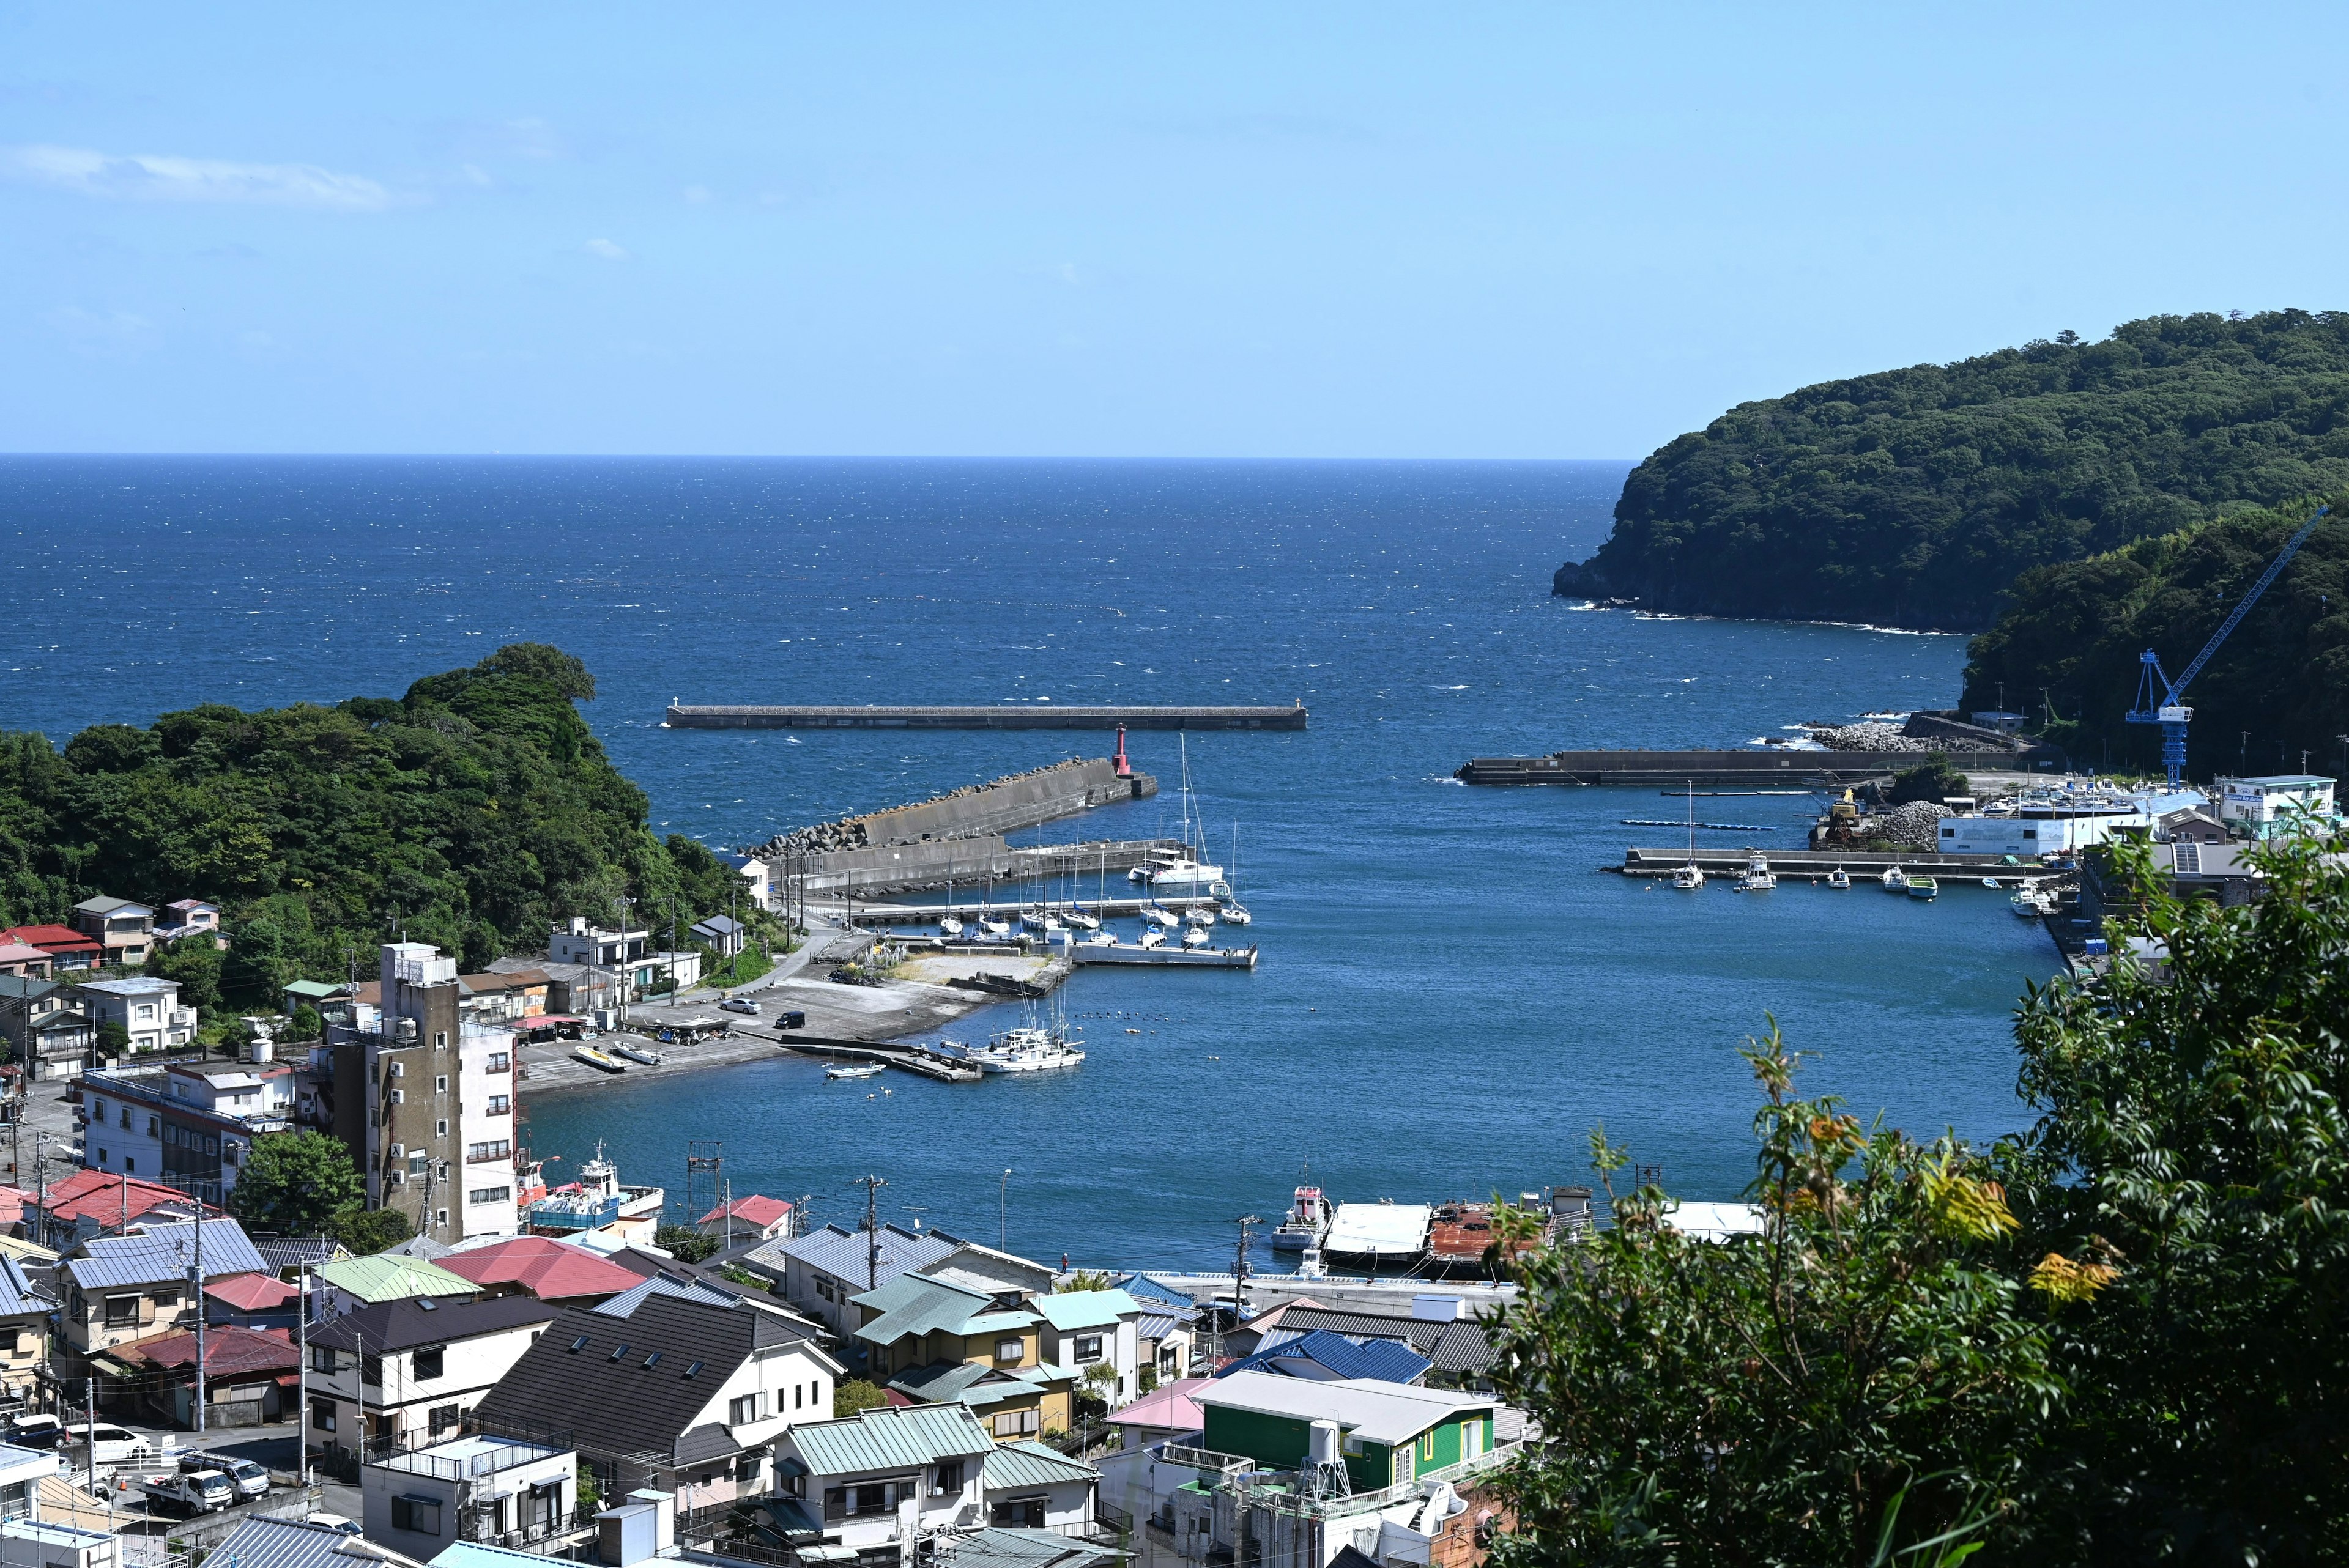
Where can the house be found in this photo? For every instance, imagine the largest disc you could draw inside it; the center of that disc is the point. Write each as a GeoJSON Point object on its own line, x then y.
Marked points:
{"type": "Point", "coordinates": [190, 1123]}
{"type": "Point", "coordinates": [320, 996]}
{"type": "Point", "coordinates": [66, 948]}
{"type": "Point", "coordinates": [1165, 1333]}
{"type": "Point", "coordinates": [252, 1301]}
{"type": "Point", "coordinates": [505, 997]}
{"type": "Point", "coordinates": [859, 1481]}
{"type": "Point", "coordinates": [189, 917]}
{"type": "Point", "coordinates": [249, 1376]}
{"type": "Point", "coordinates": [573, 990]}
{"type": "Point", "coordinates": [147, 1009]}
{"type": "Point", "coordinates": [1088, 1329]}
{"type": "Point", "coordinates": [123, 1289]}
{"type": "Point", "coordinates": [822, 1271]}
{"type": "Point", "coordinates": [627, 953]}
{"type": "Point", "coordinates": [47, 1033]}
{"type": "Point", "coordinates": [91, 1203]}
{"type": "Point", "coordinates": [937, 1342]}
{"type": "Point", "coordinates": [27, 962]}
{"type": "Point", "coordinates": [354, 1283]}
{"type": "Point", "coordinates": [1010, 1279]}
{"type": "Point", "coordinates": [754, 1218]}
{"type": "Point", "coordinates": [543, 1267]}
{"type": "Point", "coordinates": [1456, 1347]}
{"type": "Point", "coordinates": [672, 1384]}
{"type": "Point", "coordinates": [1166, 1414]}
{"type": "Point", "coordinates": [484, 1488]}
{"type": "Point", "coordinates": [1389, 1433]}
{"type": "Point", "coordinates": [289, 1256]}
{"type": "Point", "coordinates": [25, 1309]}
{"type": "Point", "coordinates": [722, 934]}
{"type": "Point", "coordinates": [261, 1541]}
{"type": "Point", "coordinates": [1326, 1356]}
{"type": "Point", "coordinates": [406, 1371]}
{"type": "Point", "coordinates": [755, 876]}
{"type": "Point", "coordinates": [126, 931]}
{"type": "Point", "coordinates": [2222, 871]}
{"type": "Point", "coordinates": [2190, 825]}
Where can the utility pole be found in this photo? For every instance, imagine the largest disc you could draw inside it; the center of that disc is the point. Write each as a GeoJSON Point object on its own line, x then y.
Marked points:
{"type": "Point", "coordinates": [302, 1351]}
{"type": "Point", "coordinates": [871, 1185]}
{"type": "Point", "coordinates": [1003, 1213]}
{"type": "Point", "coordinates": [1246, 1222]}
{"type": "Point", "coordinates": [198, 1280]}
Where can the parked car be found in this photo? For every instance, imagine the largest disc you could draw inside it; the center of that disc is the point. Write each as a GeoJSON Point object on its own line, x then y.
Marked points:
{"type": "Point", "coordinates": [249, 1478]}
{"type": "Point", "coordinates": [794, 1019]}
{"type": "Point", "coordinates": [738, 1004]}
{"type": "Point", "coordinates": [334, 1522]}
{"type": "Point", "coordinates": [35, 1432]}
{"type": "Point", "coordinates": [111, 1445]}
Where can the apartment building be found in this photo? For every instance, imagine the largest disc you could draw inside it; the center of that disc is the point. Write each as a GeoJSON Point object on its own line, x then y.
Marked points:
{"type": "Point", "coordinates": [190, 1125]}
{"type": "Point", "coordinates": [147, 1009]}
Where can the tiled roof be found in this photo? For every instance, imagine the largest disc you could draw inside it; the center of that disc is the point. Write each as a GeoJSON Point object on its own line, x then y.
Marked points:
{"type": "Point", "coordinates": [890, 1440]}
{"type": "Point", "coordinates": [51, 938]}
{"type": "Point", "coordinates": [252, 1292]}
{"type": "Point", "coordinates": [380, 1278]}
{"type": "Point", "coordinates": [842, 1253]}
{"type": "Point", "coordinates": [1070, 1310]}
{"type": "Point", "coordinates": [164, 1253]}
{"type": "Point", "coordinates": [548, 1269]}
{"type": "Point", "coordinates": [407, 1322]}
{"type": "Point", "coordinates": [756, 1209]}
{"type": "Point", "coordinates": [228, 1352]}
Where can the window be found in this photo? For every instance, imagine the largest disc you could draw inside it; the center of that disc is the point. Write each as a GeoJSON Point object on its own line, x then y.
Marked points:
{"type": "Point", "coordinates": [1014, 1423]}
{"type": "Point", "coordinates": [1021, 1512]}
{"type": "Point", "coordinates": [1427, 1447]}
{"type": "Point", "coordinates": [745, 1408]}
{"type": "Point", "coordinates": [371, 1369]}
{"type": "Point", "coordinates": [835, 1502]}
{"type": "Point", "coordinates": [102, 1156]}
{"type": "Point", "coordinates": [498, 1105]}
{"type": "Point", "coordinates": [440, 1040]}
{"type": "Point", "coordinates": [488, 1195]}
{"type": "Point", "coordinates": [1088, 1349]}
{"type": "Point", "coordinates": [495, 1149]}
{"type": "Point", "coordinates": [444, 1219]}
{"type": "Point", "coordinates": [440, 1084]}
{"type": "Point", "coordinates": [443, 1418]}
{"type": "Point", "coordinates": [131, 1165]}
{"type": "Point", "coordinates": [322, 1415]}
{"type": "Point", "coordinates": [322, 1358]}
{"type": "Point", "coordinates": [746, 1466]}
{"type": "Point", "coordinates": [873, 1498]}
{"type": "Point", "coordinates": [499, 1062]}
{"type": "Point", "coordinates": [168, 1295]}
{"type": "Point", "coordinates": [440, 1128]}
{"type": "Point", "coordinates": [799, 1396]}
{"type": "Point", "coordinates": [121, 1311]}
{"type": "Point", "coordinates": [418, 1163]}
{"type": "Point", "coordinates": [949, 1475]}
{"type": "Point", "coordinates": [1006, 1350]}
{"type": "Point", "coordinates": [154, 1126]}
{"type": "Point", "coordinates": [430, 1364]}
{"type": "Point", "coordinates": [97, 1109]}
{"type": "Point", "coordinates": [420, 1514]}
{"type": "Point", "coordinates": [823, 1288]}
{"type": "Point", "coordinates": [1351, 1444]}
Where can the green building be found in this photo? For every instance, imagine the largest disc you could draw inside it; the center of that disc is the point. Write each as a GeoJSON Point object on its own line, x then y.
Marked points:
{"type": "Point", "coordinates": [1389, 1433]}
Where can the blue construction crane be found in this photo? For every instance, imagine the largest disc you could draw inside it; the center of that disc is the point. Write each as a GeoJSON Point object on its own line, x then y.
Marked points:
{"type": "Point", "coordinates": [2160, 700]}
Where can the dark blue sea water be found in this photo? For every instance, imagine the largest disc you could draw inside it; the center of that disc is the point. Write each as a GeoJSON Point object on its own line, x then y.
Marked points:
{"type": "Point", "coordinates": [1451, 995]}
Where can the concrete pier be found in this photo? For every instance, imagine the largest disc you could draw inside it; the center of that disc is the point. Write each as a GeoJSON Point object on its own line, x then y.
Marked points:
{"type": "Point", "coordinates": [966, 864]}
{"type": "Point", "coordinates": [993, 715]}
{"type": "Point", "coordinates": [1815, 865]}
{"type": "Point", "coordinates": [1712, 768]}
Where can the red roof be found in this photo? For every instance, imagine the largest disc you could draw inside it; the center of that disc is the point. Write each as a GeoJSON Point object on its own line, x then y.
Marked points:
{"type": "Point", "coordinates": [548, 1269]}
{"type": "Point", "coordinates": [228, 1352]}
{"type": "Point", "coordinates": [753, 1210]}
{"type": "Point", "coordinates": [98, 1195]}
{"type": "Point", "coordinates": [52, 939]}
{"type": "Point", "coordinates": [252, 1292]}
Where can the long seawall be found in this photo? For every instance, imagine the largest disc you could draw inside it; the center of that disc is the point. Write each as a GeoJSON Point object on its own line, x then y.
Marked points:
{"type": "Point", "coordinates": [1757, 767]}
{"type": "Point", "coordinates": [999, 716]}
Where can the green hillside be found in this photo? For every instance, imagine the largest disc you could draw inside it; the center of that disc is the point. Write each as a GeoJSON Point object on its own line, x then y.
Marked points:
{"type": "Point", "coordinates": [468, 813]}
{"type": "Point", "coordinates": [2069, 639]}
{"type": "Point", "coordinates": [1914, 497]}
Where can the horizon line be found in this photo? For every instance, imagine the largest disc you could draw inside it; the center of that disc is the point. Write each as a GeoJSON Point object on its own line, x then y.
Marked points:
{"type": "Point", "coordinates": [799, 457]}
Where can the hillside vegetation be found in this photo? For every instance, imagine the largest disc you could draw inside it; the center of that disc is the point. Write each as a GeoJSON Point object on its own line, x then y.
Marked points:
{"type": "Point", "coordinates": [1915, 497]}
{"type": "Point", "coordinates": [2068, 642]}
{"type": "Point", "coordinates": [470, 812]}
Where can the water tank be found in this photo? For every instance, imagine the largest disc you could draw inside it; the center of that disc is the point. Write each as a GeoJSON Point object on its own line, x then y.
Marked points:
{"type": "Point", "coordinates": [407, 1032]}
{"type": "Point", "coordinates": [1322, 1447]}
{"type": "Point", "coordinates": [261, 1050]}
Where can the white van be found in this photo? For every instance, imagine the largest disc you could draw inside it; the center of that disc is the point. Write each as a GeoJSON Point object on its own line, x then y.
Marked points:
{"type": "Point", "coordinates": [113, 1445]}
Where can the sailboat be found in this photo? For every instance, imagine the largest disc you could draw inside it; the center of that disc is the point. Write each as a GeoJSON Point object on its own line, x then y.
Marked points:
{"type": "Point", "coordinates": [1234, 913]}
{"type": "Point", "coordinates": [1180, 874]}
{"type": "Point", "coordinates": [1688, 878]}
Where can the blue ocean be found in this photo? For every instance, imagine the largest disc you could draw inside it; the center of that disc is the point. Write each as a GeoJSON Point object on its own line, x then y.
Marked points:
{"type": "Point", "coordinates": [1452, 994]}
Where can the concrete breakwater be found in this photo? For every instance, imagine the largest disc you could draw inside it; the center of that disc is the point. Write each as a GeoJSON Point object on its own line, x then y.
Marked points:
{"type": "Point", "coordinates": [1768, 766]}
{"type": "Point", "coordinates": [1002, 715]}
{"type": "Point", "coordinates": [963, 862]}
{"type": "Point", "coordinates": [1006, 805]}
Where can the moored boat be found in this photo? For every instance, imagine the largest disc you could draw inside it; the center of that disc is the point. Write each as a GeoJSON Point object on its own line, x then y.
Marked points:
{"type": "Point", "coordinates": [1839, 878]}
{"type": "Point", "coordinates": [598, 1060]}
{"type": "Point", "coordinates": [1924, 888]}
{"type": "Point", "coordinates": [1026, 1050]}
{"type": "Point", "coordinates": [1369, 1234]}
{"type": "Point", "coordinates": [1894, 879]}
{"type": "Point", "coordinates": [1306, 1222]}
{"type": "Point", "coordinates": [639, 1055]}
{"type": "Point", "coordinates": [854, 1070]}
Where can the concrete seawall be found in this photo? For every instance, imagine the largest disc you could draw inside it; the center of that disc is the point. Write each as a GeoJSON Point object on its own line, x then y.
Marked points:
{"type": "Point", "coordinates": [1007, 807]}
{"type": "Point", "coordinates": [1005, 715]}
{"type": "Point", "coordinates": [965, 862]}
{"type": "Point", "coordinates": [1716, 767]}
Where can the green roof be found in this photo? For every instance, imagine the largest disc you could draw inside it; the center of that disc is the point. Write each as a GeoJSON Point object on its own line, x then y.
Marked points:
{"type": "Point", "coordinates": [313, 990]}
{"type": "Point", "coordinates": [1072, 1310]}
{"type": "Point", "coordinates": [912, 1303]}
{"type": "Point", "coordinates": [896, 1439]}
{"type": "Point", "coordinates": [380, 1278]}
{"type": "Point", "coordinates": [1027, 1463]}
{"type": "Point", "coordinates": [970, 1383]}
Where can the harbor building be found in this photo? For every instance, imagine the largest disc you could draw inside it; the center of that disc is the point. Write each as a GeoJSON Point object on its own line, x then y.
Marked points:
{"type": "Point", "coordinates": [2264, 807]}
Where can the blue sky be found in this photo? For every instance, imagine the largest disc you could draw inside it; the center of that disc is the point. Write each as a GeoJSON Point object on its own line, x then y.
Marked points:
{"type": "Point", "coordinates": [1293, 231]}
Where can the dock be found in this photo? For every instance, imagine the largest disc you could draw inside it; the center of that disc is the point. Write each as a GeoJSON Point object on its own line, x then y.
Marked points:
{"type": "Point", "coordinates": [1008, 909]}
{"type": "Point", "coordinates": [919, 1060]}
{"type": "Point", "coordinates": [962, 862]}
{"type": "Point", "coordinates": [1168, 957]}
{"type": "Point", "coordinates": [990, 715]}
{"type": "Point", "coordinates": [1759, 766]}
{"type": "Point", "coordinates": [1815, 865]}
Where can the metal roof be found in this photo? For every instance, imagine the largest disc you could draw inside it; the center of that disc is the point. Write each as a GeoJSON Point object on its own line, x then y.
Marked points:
{"type": "Point", "coordinates": [1383, 1360]}
{"type": "Point", "coordinates": [1070, 1310]}
{"type": "Point", "coordinates": [1156, 1324]}
{"type": "Point", "coordinates": [625, 1305]}
{"type": "Point", "coordinates": [891, 1438]}
{"type": "Point", "coordinates": [914, 1303]}
{"type": "Point", "coordinates": [1386, 1413]}
{"type": "Point", "coordinates": [17, 1292]}
{"type": "Point", "coordinates": [292, 1251]}
{"type": "Point", "coordinates": [1001, 1546]}
{"type": "Point", "coordinates": [380, 1278]}
{"type": "Point", "coordinates": [972, 1383]}
{"type": "Point", "coordinates": [165, 1253]}
{"type": "Point", "coordinates": [842, 1253]}
{"type": "Point", "coordinates": [260, 1541]}
{"type": "Point", "coordinates": [1032, 1464]}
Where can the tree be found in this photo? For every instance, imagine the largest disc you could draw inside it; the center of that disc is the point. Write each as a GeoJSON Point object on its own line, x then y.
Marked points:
{"type": "Point", "coordinates": [687, 1243]}
{"type": "Point", "coordinates": [369, 1231]}
{"type": "Point", "coordinates": [294, 1183]}
{"type": "Point", "coordinates": [853, 1394]}
{"type": "Point", "coordinates": [1085, 1279]}
{"type": "Point", "coordinates": [113, 1040]}
{"type": "Point", "coordinates": [1931, 779]}
{"type": "Point", "coordinates": [195, 964]}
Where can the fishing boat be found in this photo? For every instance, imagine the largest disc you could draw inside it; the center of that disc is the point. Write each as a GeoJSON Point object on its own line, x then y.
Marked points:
{"type": "Point", "coordinates": [1152, 937]}
{"type": "Point", "coordinates": [1990, 881]}
{"type": "Point", "coordinates": [1306, 1222]}
{"type": "Point", "coordinates": [1894, 879]}
{"type": "Point", "coordinates": [2025, 904]}
{"type": "Point", "coordinates": [598, 1060]}
{"type": "Point", "coordinates": [1195, 938]}
{"type": "Point", "coordinates": [1756, 875]}
{"type": "Point", "coordinates": [1923, 888]}
{"type": "Point", "coordinates": [639, 1055]}
{"type": "Point", "coordinates": [1687, 877]}
{"type": "Point", "coordinates": [1839, 878]}
{"type": "Point", "coordinates": [950, 927]}
{"type": "Point", "coordinates": [850, 1070]}
{"type": "Point", "coordinates": [1027, 1050]}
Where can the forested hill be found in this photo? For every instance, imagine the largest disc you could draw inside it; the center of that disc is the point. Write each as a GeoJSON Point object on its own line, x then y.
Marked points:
{"type": "Point", "coordinates": [469, 813]}
{"type": "Point", "coordinates": [2279, 687]}
{"type": "Point", "coordinates": [1914, 497]}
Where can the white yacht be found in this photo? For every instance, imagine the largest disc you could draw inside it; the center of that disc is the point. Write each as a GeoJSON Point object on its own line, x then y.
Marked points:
{"type": "Point", "coordinates": [1895, 880]}
{"type": "Point", "coordinates": [1099, 939]}
{"type": "Point", "coordinates": [1199, 915]}
{"type": "Point", "coordinates": [992, 927]}
{"type": "Point", "coordinates": [1690, 877]}
{"type": "Point", "coordinates": [1196, 937]}
{"type": "Point", "coordinates": [1081, 921]}
{"type": "Point", "coordinates": [1839, 878]}
{"type": "Point", "coordinates": [1756, 876]}
{"type": "Point", "coordinates": [1152, 937]}
{"type": "Point", "coordinates": [1166, 918]}
{"type": "Point", "coordinates": [1027, 1050]}
{"type": "Point", "coordinates": [1236, 915]}
{"type": "Point", "coordinates": [1181, 877]}
{"type": "Point", "coordinates": [950, 927]}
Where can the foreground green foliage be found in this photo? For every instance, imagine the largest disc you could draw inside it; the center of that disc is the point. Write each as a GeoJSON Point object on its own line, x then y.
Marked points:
{"type": "Point", "coordinates": [2067, 645]}
{"type": "Point", "coordinates": [1915, 496]}
{"type": "Point", "coordinates": [851, 1395]}
{"type": "Point", "coordinates": [472, 812]}
{"type": "Point", "coordinates": [685, 1243]}
{"type": "Point", "coordinates": [367, 1232]}
{"type": "Point", "coordinates": [2122, 1336]}
{"type": "Point", "coordinates": [296, 1184]}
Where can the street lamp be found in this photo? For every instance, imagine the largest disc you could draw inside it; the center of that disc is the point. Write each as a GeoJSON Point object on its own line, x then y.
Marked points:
{"type": "Point", "coordinates": [1003, 1213]}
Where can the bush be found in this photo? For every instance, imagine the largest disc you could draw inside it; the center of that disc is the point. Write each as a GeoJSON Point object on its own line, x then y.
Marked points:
{"type": "Point", "coordinates": [1932, 779]}
{"type": "Point", "coordinates": [853, 1394]}
{"type": "Point", "coordinates": [685, 1243]}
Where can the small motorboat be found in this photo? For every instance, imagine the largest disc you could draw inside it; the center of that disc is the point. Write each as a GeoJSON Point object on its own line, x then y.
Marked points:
{"type": "Point", "coordinates": [1839, 878]}
{"type": "Point", "coordinates": [2025, 904]}
{"type": "Point", "coordinates": [1236, 915]}
{"type": "Point", "coordinates": [1153, 937]}
{"type": "Point", "coordinates": [950, 927]}
{"type": "Point", "coordinates": [1099, 939]}
{"type": "Point", "coordinates": [1923, 888]}
{"type": "Point", "coordinates": [635, 1054]}
{"type": "Point", "coordinates": [853, 1070]}
{"type": "Point", "coordinates": [1200, 914]}
{"type": "Point", "coordinates": [598, 1060]}
{"type": "Point", "coordinates": [1989, 883]}
{"type": "Point", "coordinates": [1195, 938]}
{"type": "Point", "coordinates": [1756, 876]}
{"type": "Point", "coordinates": [1688, 878]}
{"type": "Point", "coordinates": [1895, 880]}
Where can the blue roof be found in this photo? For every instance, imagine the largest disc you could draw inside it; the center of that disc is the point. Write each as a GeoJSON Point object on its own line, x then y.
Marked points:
{"type": "Point", "coordinates": [167, 1253]}
{"type": "Point", "coordinates": [472, 1554]}
{"type": "Point", "coordinates": [625, 1305]}
{"type": "Point", "coordinates": [1381, 1360]}
{"type": "Point", "coordinates": [841, 1253]}
{"type": "Point", "coordinates": [1142, 1287]}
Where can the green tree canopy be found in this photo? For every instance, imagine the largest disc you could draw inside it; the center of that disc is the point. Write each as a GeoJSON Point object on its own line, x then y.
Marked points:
{"type": "Point", "coordinates": [369, 1231]}
{"type": "Point", "coordinates": [295, 1183]}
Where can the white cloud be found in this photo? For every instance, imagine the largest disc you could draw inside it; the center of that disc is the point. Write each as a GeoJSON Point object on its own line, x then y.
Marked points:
{"type": "Point", "coordinates": [143, 177]}
{"type": "Point", "coordinates": [605, 249]}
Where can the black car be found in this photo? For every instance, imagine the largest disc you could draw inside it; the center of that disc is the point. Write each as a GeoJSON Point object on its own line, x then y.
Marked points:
{"type": "Point", "coordinates": [793, 1020]}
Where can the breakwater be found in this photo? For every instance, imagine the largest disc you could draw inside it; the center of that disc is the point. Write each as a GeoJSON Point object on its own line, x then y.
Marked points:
{"type": "Point", "coordinates": [1715, 768]}
{"type": "Point", "coordinates": [1020, 800]}
{"type": "Point", "coordinates": [990, 715]}
{"type": "Point", "coordinates": [967, 863]}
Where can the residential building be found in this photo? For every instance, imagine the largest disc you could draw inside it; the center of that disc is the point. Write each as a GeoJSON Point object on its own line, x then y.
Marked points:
{"type": "Point", "coordinates": [352, 1283]}
{"type": "Point", "coordinates": [1166, 1334]}
{"type": "Point", "coordinates": [543, 1267]}
{"type": "Point", "coordinates": [1166, 1414]}
{"type": "Point", "coordinates": [573, 990]}
{"type": "Point", "coordinates": [1326, 1356]}
{"type": "Point", "coordinates": [1088, 1328]}
{"type": "Point", "coordinates": [289, 1256]}
{"type": "Point", "coordinates": [123, 1289]}
{"type": "Point", "coordinates": [672, 1384]}
{"type": "Point", "coordinates": [1456, 1346]}
{"type": "Point", "coordinates": [723, 934]}
{"type": "Point", "coordinates": [192, 1124]}
{"type": "Point", "coordinates": [505, 997]}
{"type": "Point", "coordinates": [52, 1036]}
{"type": "Point", "coordinates": [91, 1203]}
{"type": "Point", "coordinates": [823, 1270]}
{"type": "Point", "coordinates": [405, 1372]}
{"type": "Point", "coordinates": [748, 1219]}
{"type": "Point", "coordinates": [320, 996]}
{"type": "Point", "coordinates": [2277, 803]}
{"type": "Point", "coordinates": [862, 1482]}
{"type": "Point", "coordinates": [189, 917]}
{"type": "Point", "coordinates": [1389, 1433]}
{"type": "Point", "coordinates": [252, 1301]}
{"type": "Point", "coordinates": [1009, 1278]}
{"type": "Point", "coordinates": [757, 878]}
{"type": "Point", "coordinates": [249, 1376]}
{"type": "Point", "coordinates": [260, 1541]}
{"type": "Point", "coordinates": [483, 1488]}
{"type": "Point", "coordinates": [25, 1309]}
{"type": "Point", "coordinates": [46, 1541]}
{"type": "Point", "coordinates": [937, 1342]}
{"type": "Point", "coordinates": [24, 961]}
{"type": "Point", "coordinates": [124, 930]}
{"type": "Point", "coordinates": [21, 1472]}
{"type": "Point", "coordinates": [66, 948]}
{"type": "Point", "coordinates": [628, 953]}
{"type": "Point", "coordinates": [146, 1007]}
{"type": "Point", "coordinates": [424, 1100]}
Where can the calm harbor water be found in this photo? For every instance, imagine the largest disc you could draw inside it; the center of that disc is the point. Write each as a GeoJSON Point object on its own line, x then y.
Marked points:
{"type": "Point", "coordinates": [1451, 995]}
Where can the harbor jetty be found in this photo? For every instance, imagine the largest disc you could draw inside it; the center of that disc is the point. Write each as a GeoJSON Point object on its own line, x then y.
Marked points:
{"type": "Point", "coordinates": [989, 715]}
{"type": "Point", "coordinates": [1816, 865]}
{"type": "Point", "coordinates": [1761, 765]}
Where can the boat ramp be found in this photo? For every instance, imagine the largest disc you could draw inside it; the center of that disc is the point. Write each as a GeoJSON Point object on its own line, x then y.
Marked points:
{"type": "Point", "coordinates": [917, 1059]}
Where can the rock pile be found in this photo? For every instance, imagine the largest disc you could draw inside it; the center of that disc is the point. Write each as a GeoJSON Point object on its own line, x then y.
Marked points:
{"type": "Point", "coordinates": [1915, 826]}
{"type": "Point", "coordinates": [1872, 736]}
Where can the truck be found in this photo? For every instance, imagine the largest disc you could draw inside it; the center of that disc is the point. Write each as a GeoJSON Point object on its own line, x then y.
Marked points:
{"type": "Point", "coordinates": [203, 1492]}
{"type": "Point", "coordinates": [249, 1478]}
